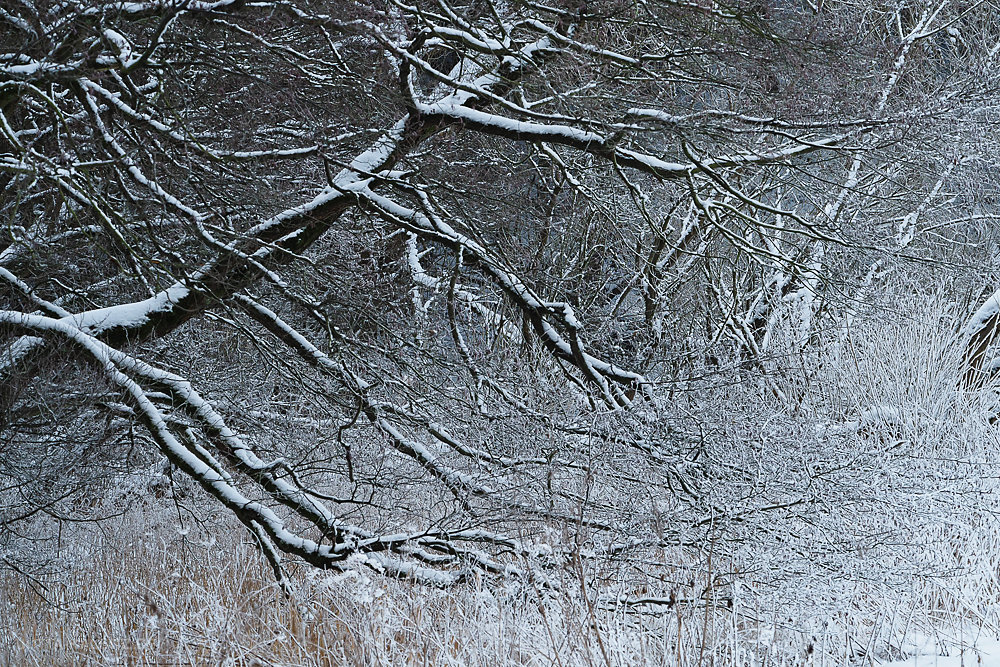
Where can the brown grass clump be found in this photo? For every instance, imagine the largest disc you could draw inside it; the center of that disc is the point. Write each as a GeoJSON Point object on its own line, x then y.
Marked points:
{"type": "Point", "coordinates": [136, 597]}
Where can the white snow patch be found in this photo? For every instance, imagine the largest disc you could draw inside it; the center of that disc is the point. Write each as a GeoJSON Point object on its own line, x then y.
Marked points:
{"type": "Point", "coordinates": [932, 652]}
{"type": "Point", "coordinates": [979, 320]}
{"type": "Point", "coordinates": [128, 314]}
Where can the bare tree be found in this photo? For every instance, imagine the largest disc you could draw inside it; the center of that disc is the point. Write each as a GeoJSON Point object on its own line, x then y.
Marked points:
{"type": "Point", "coordinates": [377, 276]}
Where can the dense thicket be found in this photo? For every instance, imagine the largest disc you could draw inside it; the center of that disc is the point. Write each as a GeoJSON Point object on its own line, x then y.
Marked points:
{"type": "Point", "coordinates": [450, 287]}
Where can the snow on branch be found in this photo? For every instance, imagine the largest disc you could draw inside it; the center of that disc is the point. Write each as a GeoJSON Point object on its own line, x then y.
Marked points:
{"type": "Point", "coordinates": [608, 147]}
{"type": "Point", "coordinates": [980, 332]}
{"type": "Point", "coordinates": [352, 544]}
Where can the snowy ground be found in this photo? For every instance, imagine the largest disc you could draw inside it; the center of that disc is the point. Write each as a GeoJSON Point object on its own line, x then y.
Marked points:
{"type": "Point", "coordinates": [981, 651]}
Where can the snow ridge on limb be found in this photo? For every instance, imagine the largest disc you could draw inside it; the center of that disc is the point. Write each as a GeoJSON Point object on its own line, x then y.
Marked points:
{"type": "Point", "coordinates": [608, 148]}
{"type": "Point", "coordinates": [980, 332]}
{"type": "Point", "coordinates": [275, 533]}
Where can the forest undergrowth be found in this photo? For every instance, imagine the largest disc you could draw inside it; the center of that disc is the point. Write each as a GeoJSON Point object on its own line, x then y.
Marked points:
{"type": "Point", "coordinates": [844, 530]}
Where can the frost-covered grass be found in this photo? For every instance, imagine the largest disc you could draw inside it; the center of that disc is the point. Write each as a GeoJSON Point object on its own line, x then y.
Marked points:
{"type": "Point", "coordinates": [137, 595]}
{"type": "Point", "coordinates": [147, 595]}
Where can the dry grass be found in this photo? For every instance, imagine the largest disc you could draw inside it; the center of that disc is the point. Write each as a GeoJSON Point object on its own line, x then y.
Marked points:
{"type": "Point", "coordinates": [136, 597]}
{"type": "Point", "coordinates": [133, 597]}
